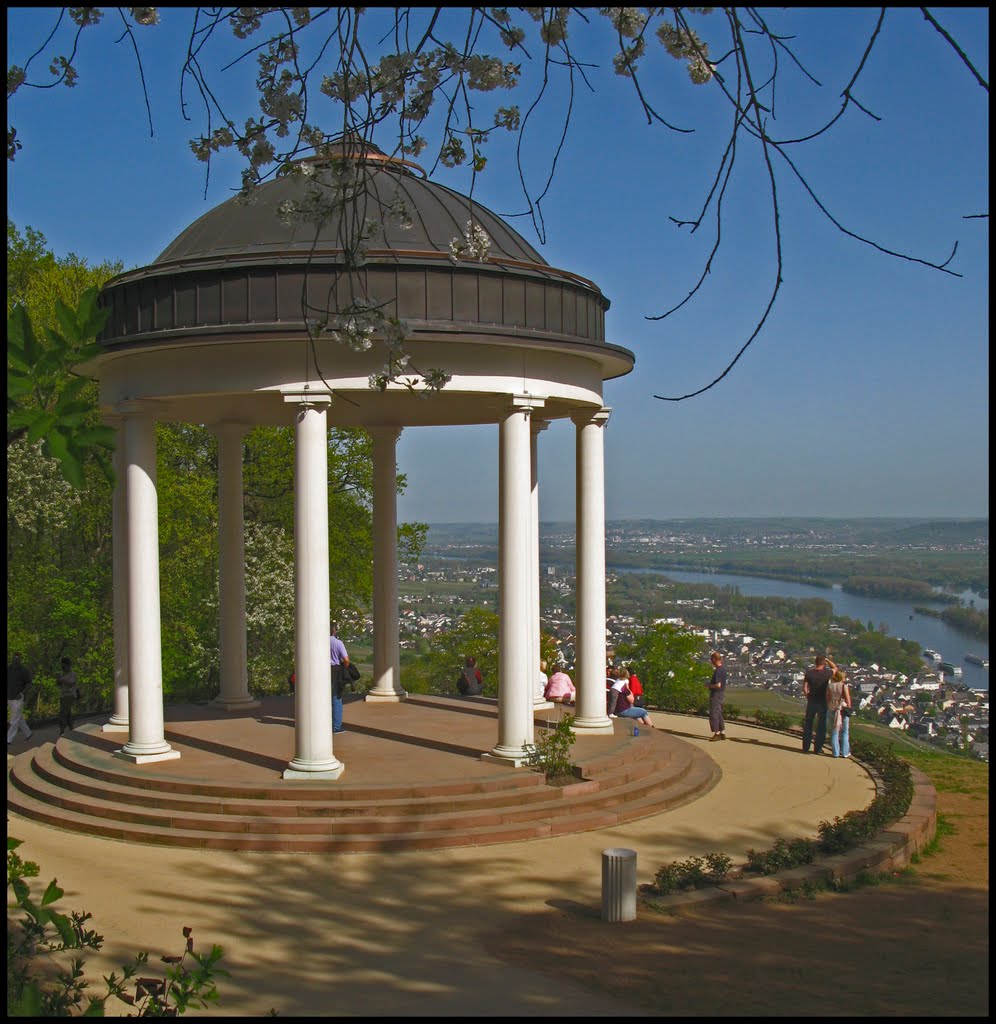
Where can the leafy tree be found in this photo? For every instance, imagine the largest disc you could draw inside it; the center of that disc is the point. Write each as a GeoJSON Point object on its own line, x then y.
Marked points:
{"type": "Point", "coordinates": [52, 324]}
{"type": "Point", "coordinates": [668, 661]}
{"type": "Point", "coordinates": [59, 498]}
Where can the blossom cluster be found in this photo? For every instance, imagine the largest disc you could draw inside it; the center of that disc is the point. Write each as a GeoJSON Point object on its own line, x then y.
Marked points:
{"type": "Point", "coordinates": [474, 245]}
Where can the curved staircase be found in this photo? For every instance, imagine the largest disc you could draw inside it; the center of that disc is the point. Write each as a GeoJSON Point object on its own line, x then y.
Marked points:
{"type": "Point", "coordinates": [77, 784]}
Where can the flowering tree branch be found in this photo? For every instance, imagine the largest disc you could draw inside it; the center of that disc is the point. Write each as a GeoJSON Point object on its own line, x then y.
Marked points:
{"type": "Point", "coordinates": [330, 80]}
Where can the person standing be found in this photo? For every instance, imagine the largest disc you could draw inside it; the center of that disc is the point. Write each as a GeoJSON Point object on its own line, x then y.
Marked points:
{"type": "Point", "coordinates": [839, 705]}
{"type": "Point", "coordinates": [339, 661]}
{"type": "Point", "coordinates": [717, 693]}
{"type": "Point", "coordinates": [18, 680]}
{"type": "Point", "coordinates": [814, 689]}
{"type": "Point", "coordinates": [68, 692]}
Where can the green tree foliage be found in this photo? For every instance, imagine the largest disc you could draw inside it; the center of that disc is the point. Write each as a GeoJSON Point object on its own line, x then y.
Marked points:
{"type": "Point", "coordinates": [52, 323]}
{"type": "Point", "coordinates": [968, 620]}
{"type": "Point", "coordinates": [58, 532]}
{"type": "Point", "coordinates": [668, 661]}
{"type": "Point", "coordinates": [894, 587]}
{"type": "Point", "coordinates": [436, 671]}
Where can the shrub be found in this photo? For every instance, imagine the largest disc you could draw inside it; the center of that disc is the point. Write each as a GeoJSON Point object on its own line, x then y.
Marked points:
{"type": "Point", "coordinates": [890, 803]}
{"type": "Point", "coordinates": [552, 753]}
{"type": "Point", "coordinates": [692, 873]}
{"type": "Point", "coordinates": [784, 854]}
{"type": "Point", "coordinates": [773, 719]}
{"type": "Point", "coordinates": [39, 985]}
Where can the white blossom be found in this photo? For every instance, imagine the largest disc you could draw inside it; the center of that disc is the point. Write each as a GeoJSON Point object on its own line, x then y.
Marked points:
{"type": "Point", "coordinates": [474, 245]}
{"type": "Point", "coordinates": [38, 498]}
{"type": "Point", "coordinates": [145, 15]}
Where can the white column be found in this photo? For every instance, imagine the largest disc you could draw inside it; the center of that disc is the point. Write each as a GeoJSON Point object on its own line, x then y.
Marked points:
{"type": "Point", "coordinates": [516, 681]}
{"type": "Point", "coordinates": [234, 695]}
{"type": "Point", "coordinates": [313, 757]}
{"type": "Point", "coordinates": [590, 583]}
{"type": "Point", "coordinates": [118, 722]}
{"type": "Point", "coordinates": [387, 660]}
{"type": "Point", "coordinates": [535, 427]}
{"type": "Point", "coordinates": [146, 728]}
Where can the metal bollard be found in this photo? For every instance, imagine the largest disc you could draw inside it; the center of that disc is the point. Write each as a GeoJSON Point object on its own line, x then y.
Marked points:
{"type": "Point", "coordinates": [618, 885]}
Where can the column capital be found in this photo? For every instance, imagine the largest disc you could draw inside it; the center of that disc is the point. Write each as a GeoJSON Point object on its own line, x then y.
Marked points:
{"type": "Point", "coordinates": [233, 428]}
{"type": "Point", "coordinates": [388, 430]}
{"type": "Point", "coordinates": [306, 395]}
{"type": "Point", "coordinates": [537, 425]}
{"type": "Point", "coordinates": [597, 416]}
{"type": "Point", "coordinates": [527, 403]}
{"type": "Point", "coordinates": [132, 407]}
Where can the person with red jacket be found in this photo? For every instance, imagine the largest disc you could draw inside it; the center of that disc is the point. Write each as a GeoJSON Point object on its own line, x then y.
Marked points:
{"type": "Point", "coordinates": [635, 688]}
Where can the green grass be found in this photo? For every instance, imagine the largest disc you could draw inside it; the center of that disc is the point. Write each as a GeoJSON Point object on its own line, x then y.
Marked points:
{"type": "Point", "coordinates": [767, 700]}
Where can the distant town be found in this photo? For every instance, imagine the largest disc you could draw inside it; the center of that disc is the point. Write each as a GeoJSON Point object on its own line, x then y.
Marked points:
{"type": "Point", "coordinates": [925, 705]}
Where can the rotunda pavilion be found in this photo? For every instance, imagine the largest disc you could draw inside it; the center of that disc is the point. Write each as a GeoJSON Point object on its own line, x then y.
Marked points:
{"type": "Point", "coordinates": [215, 332]}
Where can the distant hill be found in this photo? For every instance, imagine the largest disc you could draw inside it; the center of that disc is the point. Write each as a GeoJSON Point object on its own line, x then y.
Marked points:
{"type": "Point", "coordinates": [883, 532]}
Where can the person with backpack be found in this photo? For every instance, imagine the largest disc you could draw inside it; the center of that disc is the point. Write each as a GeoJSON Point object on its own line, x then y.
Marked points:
{"type": "Point", "coordinates": [470, 682]}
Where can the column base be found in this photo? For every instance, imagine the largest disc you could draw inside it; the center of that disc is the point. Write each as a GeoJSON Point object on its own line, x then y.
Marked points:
{"type": "Point", "coordinates": [593, 727]}
{"type": "Point", "coordinates": [115, 725]}
{"type": "Point", "coordinates": [235, 703]}
{"type": "Point", "coordinates": [543, 705]}
{"type": "Point", "coordinates": [314, 770]}
{"type": "Point", "coordinates": [139, 758]}
{"type": "Point", "coordinates": [388, 697]}
{"type": "Point", "coordinates": [510, 758]}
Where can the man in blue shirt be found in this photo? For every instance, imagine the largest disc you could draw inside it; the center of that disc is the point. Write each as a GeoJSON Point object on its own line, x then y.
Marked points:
{"type": "Point", "coordinates": [339, 660]}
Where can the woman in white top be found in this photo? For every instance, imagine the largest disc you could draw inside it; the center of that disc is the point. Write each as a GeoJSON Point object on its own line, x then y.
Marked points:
{"type": "Point", "coordinates": [839, 710]}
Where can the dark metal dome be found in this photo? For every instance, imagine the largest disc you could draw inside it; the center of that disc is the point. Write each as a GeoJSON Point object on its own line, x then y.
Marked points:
{"type": "Point", "coordinates": [411, 213]}
{"type": "Point", "coordinates": [243, 268]}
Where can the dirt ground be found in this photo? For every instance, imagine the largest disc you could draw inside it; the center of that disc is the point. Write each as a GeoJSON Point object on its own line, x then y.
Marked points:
{"type": "Point", "coordinates": [915, 944]}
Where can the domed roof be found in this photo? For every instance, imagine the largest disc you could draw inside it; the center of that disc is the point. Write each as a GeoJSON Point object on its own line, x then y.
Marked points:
{"type": "Point", "coordinates": [259, 266]}
{"type": "Point", "coordinates": [406, 213]}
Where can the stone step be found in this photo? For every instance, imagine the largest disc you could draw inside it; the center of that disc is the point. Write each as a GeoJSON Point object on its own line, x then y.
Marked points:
{"type": "Point", "coordinates": [39, 792]}
{"type": "Point", "coordinates": [87, 757]}
{"type": "Point", "coordinates": [59, 771]}
{"type": "Point", "coordinates": [190, 838]}
{"type": "Point", "coordinates": [30, 778]}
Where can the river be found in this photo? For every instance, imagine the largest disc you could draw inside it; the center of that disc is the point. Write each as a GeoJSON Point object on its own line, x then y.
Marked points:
{"type": "Point", "coordinates": [899, 616]}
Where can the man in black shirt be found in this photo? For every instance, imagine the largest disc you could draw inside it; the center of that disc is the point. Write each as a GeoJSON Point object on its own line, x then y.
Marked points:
{"type": "Point", "coordinates": [814, 689]}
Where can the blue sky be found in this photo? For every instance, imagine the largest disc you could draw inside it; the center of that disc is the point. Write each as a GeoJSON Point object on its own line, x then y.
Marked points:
{"type": "Point", "coordinates": [865, 394]}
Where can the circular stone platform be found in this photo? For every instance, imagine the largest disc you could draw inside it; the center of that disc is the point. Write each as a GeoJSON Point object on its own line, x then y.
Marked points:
{"type": "Point", "coordinates": [414, 780]}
